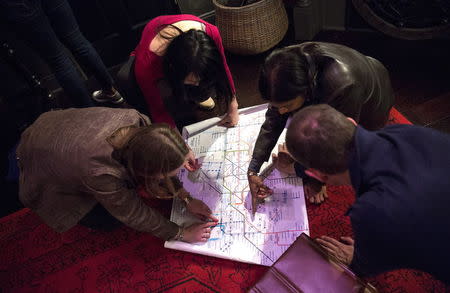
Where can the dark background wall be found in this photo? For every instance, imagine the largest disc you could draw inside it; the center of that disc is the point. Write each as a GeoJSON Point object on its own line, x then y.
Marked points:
{"type": "Point", "coordinates": [112, 26]}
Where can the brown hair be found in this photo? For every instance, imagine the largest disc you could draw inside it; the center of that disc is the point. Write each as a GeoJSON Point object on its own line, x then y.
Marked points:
{"type": "Point", "coordinates": [152, 151]}
{"type": "Point", "coordinates": [321, 138]}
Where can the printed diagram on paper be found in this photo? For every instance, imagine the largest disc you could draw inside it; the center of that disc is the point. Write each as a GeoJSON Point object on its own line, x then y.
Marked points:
{"type": "Point", "coordinates": [222, 183]}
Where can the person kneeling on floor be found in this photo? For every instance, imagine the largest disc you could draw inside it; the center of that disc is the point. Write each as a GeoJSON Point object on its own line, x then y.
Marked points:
{"type": "Point", "coordinates": [400, 217]}
{"type": "Point", "coordinates": [84, 166]}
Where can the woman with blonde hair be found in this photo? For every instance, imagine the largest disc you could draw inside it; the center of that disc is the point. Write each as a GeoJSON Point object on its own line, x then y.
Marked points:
{"type": "Point", "coordinates": [84, 166]}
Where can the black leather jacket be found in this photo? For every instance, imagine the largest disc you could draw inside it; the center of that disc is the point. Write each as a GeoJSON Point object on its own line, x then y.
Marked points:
{"type": "Point", "coordinates": [357, 85]}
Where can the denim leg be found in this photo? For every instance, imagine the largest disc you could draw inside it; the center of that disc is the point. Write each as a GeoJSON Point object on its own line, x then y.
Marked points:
{"type": "Point", "coordinates": [35, 29]}
{"type": "Point", "coordinates": [66, 27]}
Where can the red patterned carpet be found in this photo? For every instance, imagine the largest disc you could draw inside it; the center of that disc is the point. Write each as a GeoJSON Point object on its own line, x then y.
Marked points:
{"type": "Point", "coordinates": [33, 258]}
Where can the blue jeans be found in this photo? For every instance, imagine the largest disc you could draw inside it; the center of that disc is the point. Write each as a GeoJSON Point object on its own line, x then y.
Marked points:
{"type": "Point", "coordinates": [49, 25]}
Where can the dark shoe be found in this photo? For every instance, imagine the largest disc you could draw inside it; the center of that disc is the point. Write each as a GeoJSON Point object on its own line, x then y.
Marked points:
{"type": "Point", "coordinates": [101, 97]}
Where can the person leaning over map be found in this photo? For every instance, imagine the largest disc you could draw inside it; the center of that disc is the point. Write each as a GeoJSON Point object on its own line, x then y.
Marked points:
{"type": "Point", "coordinates": [310, 73]}
{"type": "Point", "coordinates": [400, 217]}
{"type": "Point", "coordinates": [84, 166]}
{"type": "Point", "coordinates": [180, 62]}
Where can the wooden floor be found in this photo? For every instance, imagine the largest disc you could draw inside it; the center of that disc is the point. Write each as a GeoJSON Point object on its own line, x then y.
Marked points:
{"type": "Point", "coordinates": [420, 74]}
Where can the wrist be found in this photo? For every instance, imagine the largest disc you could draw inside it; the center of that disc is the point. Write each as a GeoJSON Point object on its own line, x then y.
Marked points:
{"type": "Point", "coordinates": [233, 105]}
{"type": "Point", "coordinates": [232, 110]}
{"type": "Point", "coordinates": [180, 234]}
{"type": "Point", "coordinates": [291, 169]}
{"type": "Point", "coordinates": [252, 173]}
{"type": "Point", "coordinates": [187, 199]}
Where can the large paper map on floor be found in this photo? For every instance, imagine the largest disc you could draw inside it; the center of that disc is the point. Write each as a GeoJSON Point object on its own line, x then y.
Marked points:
{"type": "Point", "coordinates": [222, 183]}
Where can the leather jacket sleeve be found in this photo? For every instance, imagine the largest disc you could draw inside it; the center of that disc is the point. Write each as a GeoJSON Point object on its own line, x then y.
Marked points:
{"type": "Point", "coordinates": [267, 138]}
{"type": "Point", "coordinates": [126, 206]}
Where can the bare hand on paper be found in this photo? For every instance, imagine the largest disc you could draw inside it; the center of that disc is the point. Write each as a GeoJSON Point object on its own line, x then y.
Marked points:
{"type": "Point", "coordinates": [200, 210]}
{"type": "Point", "coordinates": [192, 163]}
{"type": "Point", "coordinates": [198, 232]}
{"type": "Point", "coordinates": [231, 119]}
{"type": "Point", "coordinates": [257, 187]}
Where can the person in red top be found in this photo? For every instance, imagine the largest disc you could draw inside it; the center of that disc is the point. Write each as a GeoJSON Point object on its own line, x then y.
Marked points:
{"type": "Point", "coordinates": [180, 61]}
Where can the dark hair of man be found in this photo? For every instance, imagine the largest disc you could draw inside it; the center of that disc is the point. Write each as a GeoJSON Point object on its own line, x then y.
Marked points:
{"type": "Point", "coordinates": [284, 76]}
{"type": "Point", "coordinates": [152, 151]}
{"type": "Point", "coordinates": [194, 51]}
{"type": "Point", "coordinates": [321, 138]}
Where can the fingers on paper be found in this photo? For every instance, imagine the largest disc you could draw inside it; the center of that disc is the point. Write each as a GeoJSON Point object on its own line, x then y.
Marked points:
{"type": "Point", "coordinates": [209, 218]}
{"type": "Point", "coordinates": [264, 191]}
{"type": "Point", "coordinates": [193, 164]}
{"type": "Point", "coordinates": [189, 166]}
{"type": "Point", "coordinates": [226, 122]}
{"type": "Point", "coordinates": [209, 224]}
{"type": "Point", "coordinates": [213, 218]}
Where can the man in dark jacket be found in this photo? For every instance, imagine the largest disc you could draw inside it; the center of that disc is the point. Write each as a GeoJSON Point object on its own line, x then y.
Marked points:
{"type": "Point", "coordinates": [312, 73]}
{"type": "Point", "coordinates": [400, 217]}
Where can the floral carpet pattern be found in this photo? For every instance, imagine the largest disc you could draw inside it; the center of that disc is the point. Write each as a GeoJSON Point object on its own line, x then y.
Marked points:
{"type": "Point", "coordinates": [33, 258]}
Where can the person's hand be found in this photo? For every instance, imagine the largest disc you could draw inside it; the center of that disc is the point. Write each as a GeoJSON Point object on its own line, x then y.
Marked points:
{"type": "Point", "coordinates": [192, 163]}
{"type": "Point", "coordinates": [342, 250]}
{"type": "Point", "coordinates": [283, 161]}
{"type": "Point", "coordinates": [231, 119]}
{"type": "Point", "coordinates": [198, 232]}
{"type": "Point", "coordinates": [315, 191]}
{"type": "Point", "coordinates": [257, 187]}
{"type": "Point", "coordinates": [200, 210]}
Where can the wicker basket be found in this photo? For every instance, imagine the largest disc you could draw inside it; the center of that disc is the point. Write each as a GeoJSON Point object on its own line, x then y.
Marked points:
{"type": "Point", "coordinates": [251, 29]}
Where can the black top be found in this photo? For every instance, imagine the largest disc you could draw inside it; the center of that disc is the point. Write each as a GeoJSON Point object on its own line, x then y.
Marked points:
{"type": "Point", "coordinates": [357, 85]}
{"type": "Point", "coordinates": [401, 216]}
